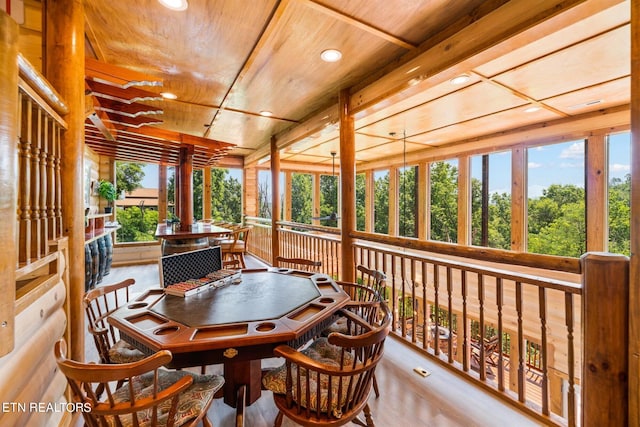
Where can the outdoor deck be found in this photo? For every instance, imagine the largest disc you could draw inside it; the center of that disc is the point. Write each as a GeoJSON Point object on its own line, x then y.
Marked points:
{"type": "Point", "coordinates": [441, 399]}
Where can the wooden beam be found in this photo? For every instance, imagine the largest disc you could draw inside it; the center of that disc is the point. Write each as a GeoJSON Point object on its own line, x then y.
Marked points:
{"type": "Point", "coordinates": [123, 78]}
{"type": "Point", "coordinates": [127, 96]}
{"type": "Point", "coordinates": [130, 110]}
{"type": "Point", "coordinates": [516, 23]}
{"type": "Point", "coordinates": [358, 23]}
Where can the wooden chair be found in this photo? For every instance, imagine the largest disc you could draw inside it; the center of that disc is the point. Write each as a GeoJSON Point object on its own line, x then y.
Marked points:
{"type": "Point", "coordinates": [371, 278]}
{"type": "Point", "coordinates": [328, 383]}
{"type": "Point", "coordinates": [489, 349]}
{"type": "Point", "coordinates": [151, 396]}
{"type": "Point", "coordinates": [99, 303]}
{"type": "Point", "coordinates": [235, 246]}
{"type": "Point", "coordinates": [298, 263]}
{"type": "Point", "coordinates": [232, 264]}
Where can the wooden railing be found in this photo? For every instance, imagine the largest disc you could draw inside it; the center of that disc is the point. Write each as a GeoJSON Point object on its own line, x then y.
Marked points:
{"type": "Point", "coordinates": [39, 214]}
{"type": "Point", "coordinates": [532, 305]}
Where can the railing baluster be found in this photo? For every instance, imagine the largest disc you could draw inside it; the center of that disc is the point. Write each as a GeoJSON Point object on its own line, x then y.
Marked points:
{"type": "Point", "coordinates": [521, 350]}
{"type": "Point", "coordinates": [571, 396]}
{"type": "Point", "coordinates": [436, 316]}
{"type": "Point", "coordinates": [500, 334]}
{"type": "Point", "coordinates": [542, 300]}
{"type": "Point", "coordinates": [483, 369]}
{"type": "Point", "coordinates": [24, 195]}
{"type": "Point", "coordinates": [465, 323]}
{"type": "Point", "coordinates": [450, 313]}
{"type": "Point", "coordinates": [425, 315]}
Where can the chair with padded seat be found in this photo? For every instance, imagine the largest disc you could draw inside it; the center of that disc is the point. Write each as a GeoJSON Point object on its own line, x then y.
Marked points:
{"type": "Point", "coordinates": [299, 263]}
{"type": "Point", "coordinates": [235, 247]}
{"type": "Point", "coordinates": [99, 303]}
{"type": "Point", "coordinates": [329, 382]}
{"type": "Point", "coordinates": [151, 396]}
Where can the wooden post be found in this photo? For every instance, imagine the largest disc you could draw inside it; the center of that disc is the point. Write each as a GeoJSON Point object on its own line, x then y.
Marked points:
{"type": "Point", "coordinates": [8, 176]}
{"type": "Point", "coordinates": [464, 200]}
{"type": "Point", "coordinates": [206, 193]}
{"type": "Point", "coordinates": [64, 68]}
{"type": "Point", "coordinates": [162, 193]}
{"type": "Point", "coordinates": [347, 186]}
{"type": "Point", "coordinates": [605, 329]}
{"type": "Point", "coordinates": [287, 195]}
{"type": "Point", "coordinates": [369, 197]}
{"type": "Point", "coordinates": [275, 198]}
{"type": "Point", "coordinates": [518, 199]}
{"type": "Point", "coordinates": [634, 268]}
{"type": "Point", "coordinates": [186, 188]}
{"type": "Point", "coordinates": [596, 193]}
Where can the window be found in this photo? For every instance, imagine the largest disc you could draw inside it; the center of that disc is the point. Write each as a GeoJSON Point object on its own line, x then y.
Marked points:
{"type": "Point", "coordinates": [381, 201]}
{"type": "Point", "coordinates": [408, 227]}
{"type": "Point", "coordinates": [301, 198]}
{"type": "Point", "coordinates": [328, 199]}
{"type": "Point", "coordinates": [556, 199]}
{"type": "Point", "coordinates": [226, 195]}
{"type": "Point", "coordinates": [494, 228]}
{"type": "Point", "coordinates": [619, 190]}
{"type": "Point", "coordinates": [444, 201]}
{"type": "Point", "coordinates": [361, 188]}
{"type": "Point", "coordinates": [137, 207]}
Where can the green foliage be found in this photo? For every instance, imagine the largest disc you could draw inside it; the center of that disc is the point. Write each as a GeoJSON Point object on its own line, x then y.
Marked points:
{"type": "Point", "coordinates": [226, 196]}
{"type": "Point", "coordinates": [328, 198]}
{"type": "Point", "coordinates": [619, 215]}
{"type": "Point", "coordinates": [197, 194]}
{"type": "Point", "coordinates": [137, 225]}
{"type": "Point", "coordinates": [301, 198]}
{"type": "Point", "coordinates": [381, 204]}
{"type": "Point", "coordinates": [360, 201]}
{"type": "Point", "coordinates": [444, 202]}
{"type": "Point", "coordinates": [129, 176]}
{"type": "Point", "coordinates": [407, 202]}
{"type": "Point", "coordinates": [107, 190]}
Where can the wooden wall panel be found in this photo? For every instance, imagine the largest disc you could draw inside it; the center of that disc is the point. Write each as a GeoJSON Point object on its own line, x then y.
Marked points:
{"type": "Point", "coordinates": [8, 176]}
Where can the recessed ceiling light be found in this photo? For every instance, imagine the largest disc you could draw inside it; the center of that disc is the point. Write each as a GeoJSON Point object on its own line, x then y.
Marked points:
{"type": "Point", "coordinates": [266, 113]}
{"type": "Point", "coordinates": [461, 79]}
{"type": "Point", "coordinates": [532, 109]}
{"type": "Point", "coordinates": [168, 95]}
{"type": "Point", "coordinates": [177, 5]}
{"type": "Point", "coordinates": [331, 55]}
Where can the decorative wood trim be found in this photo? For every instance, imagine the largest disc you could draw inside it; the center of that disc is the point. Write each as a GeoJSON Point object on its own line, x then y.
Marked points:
{"type": "Point", "coordinates": [126, 96]}
{"type": "Point", "coordinates": [110, 74]}
{"type": "Point", "coordinates": [41, 86]}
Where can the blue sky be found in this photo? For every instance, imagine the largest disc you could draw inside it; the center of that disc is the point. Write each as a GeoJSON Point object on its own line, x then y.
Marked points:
{"type": "Point", "coordinates": [548, 164]}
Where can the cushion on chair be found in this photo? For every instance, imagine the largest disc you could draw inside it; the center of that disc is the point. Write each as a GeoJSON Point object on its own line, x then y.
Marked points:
{"type": "Point", "coordinates": [190, 403]}
{"type": "Point", "coordinates": [321, 351]}
{"type": "Point", "coordinates": [123, 352]}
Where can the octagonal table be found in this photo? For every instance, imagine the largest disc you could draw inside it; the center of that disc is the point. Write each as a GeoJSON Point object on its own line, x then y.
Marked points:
{"type": "Point", "coordinates": [236, 325]}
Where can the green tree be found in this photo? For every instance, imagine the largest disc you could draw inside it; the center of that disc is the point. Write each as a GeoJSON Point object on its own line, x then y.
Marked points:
{"type": "Point", "coordinates": [226, 196]}
{"type": "Point", "coordinates": [360, 201]}
{"type": "Point", "coordinates": [444, 202]}
{"type": "Point", "coordinates": [137, 224]}
{"type": "Point", "coordinates": [301, 198]}
{"type": "Point", "coordinates": [407, 202]}
{"type": "Point", "coordinates": [197, 193]}
{"type": "Point", "coordinates": [328, 198]}
{"type": "Point", "coordinates": [381, 204]}
{"type": "Point", "coordinates": [129, 176]}
{"type": "Point", "coordinates": [620, 215]}
{"type": "Point", "coordinates": [500, 221]}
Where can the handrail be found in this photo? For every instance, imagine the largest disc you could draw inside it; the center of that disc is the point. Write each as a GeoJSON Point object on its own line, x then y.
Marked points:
{"type": "Point", "coordinates": [301, 226]}
{"type": "Point", "coordinates": [547, 262]}
{"type": "Point", "coordinates": [40, 84]}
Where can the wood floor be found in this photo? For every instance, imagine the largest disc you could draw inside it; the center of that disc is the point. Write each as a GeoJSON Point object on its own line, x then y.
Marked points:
{"type": "Point", "coordinates": [442, 399]}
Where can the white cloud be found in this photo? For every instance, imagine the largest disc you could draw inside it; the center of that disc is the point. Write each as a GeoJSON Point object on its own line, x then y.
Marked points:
{"type": "Point", "coordinates": [617, 167]}
{"type": "Point", "coordinates": [534, 165]}
{"type": "Point", "coordinates": [566, 165]}
{"type": "Point", "coordinates": [535, 191]}
{"type": "Point", "coordinates": [575, 151]}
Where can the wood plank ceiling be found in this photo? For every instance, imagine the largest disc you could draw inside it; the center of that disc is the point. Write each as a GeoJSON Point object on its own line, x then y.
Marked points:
{"type": "Point", "coordinates": [228, 60]}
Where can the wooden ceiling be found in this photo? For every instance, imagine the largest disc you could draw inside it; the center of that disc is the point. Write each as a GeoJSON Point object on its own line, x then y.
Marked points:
{"type": "Point", "coordinates": [228, 60]}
